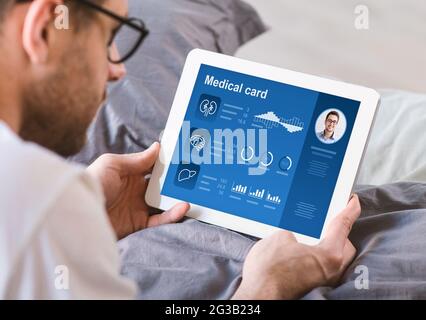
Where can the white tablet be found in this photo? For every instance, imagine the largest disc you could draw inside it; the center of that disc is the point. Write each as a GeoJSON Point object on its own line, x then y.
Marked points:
{"type": "Point", "coordinates": [255, 148]}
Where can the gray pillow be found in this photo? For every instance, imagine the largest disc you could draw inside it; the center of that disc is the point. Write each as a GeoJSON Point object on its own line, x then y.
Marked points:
{"type": "Point", "coordinates": [138, 106]}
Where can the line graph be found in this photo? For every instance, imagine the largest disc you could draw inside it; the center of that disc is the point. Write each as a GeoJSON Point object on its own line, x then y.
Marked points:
{"type": "Point", "coordinates": [271, 120]}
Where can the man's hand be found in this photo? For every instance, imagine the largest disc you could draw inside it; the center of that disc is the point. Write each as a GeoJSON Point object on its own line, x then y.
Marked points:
{"type": "Point", "coordinates": [279, 267]}
{"type": "Point", "coordinates": [123, 178]}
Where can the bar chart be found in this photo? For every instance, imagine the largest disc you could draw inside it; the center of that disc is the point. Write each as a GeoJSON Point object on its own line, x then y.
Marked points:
{"type": "Point", "coordinates": [258, 194]}
{"type": "Point", "coordinates": [273, 199]}
{"type": "Point", "coordinates": [239, 188]}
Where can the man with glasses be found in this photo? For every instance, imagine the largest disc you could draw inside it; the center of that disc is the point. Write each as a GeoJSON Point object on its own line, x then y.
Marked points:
{"type": "Point", "coordinates": [330, 123]}
{"type": "Point", "coordinates": [59, 222]}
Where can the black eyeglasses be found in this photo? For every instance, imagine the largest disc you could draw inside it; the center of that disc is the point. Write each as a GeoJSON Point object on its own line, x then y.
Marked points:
{"type": "Point", "coordinates": [132, 32]}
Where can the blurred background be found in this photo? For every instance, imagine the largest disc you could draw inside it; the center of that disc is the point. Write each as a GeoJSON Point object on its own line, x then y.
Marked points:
{"type": "Point", "coordinates": [321, 38]}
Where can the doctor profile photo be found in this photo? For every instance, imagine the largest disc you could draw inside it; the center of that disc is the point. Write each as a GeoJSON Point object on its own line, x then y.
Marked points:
{"type": "Point", "coordinates": [330, 126]}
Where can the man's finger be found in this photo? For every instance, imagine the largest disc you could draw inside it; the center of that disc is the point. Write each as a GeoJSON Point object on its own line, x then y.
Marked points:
{"type": "Point", "coordinates": [172, 215]}
{"type": "Point", "coordinates": [139, 163]}
{"type": "Point", "coordinates": [284, 235]}
{"type": "Point", "coordinates": [339, 229]}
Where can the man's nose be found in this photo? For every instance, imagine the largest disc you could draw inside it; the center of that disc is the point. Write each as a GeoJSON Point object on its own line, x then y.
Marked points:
{"type": "Point", "coordinates": [115, 71]}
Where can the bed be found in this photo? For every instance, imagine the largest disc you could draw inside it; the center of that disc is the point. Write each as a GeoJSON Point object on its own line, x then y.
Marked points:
{"type": "Point", "coordinates": [194, 260]}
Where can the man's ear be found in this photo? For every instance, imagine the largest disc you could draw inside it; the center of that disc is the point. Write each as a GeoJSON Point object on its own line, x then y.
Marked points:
{"type": "Point", "coordinates": [37, 21]}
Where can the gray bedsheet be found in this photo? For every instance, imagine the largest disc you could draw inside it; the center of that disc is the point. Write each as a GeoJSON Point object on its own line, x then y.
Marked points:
{"type": "Point", "coordinates": [193, 260]}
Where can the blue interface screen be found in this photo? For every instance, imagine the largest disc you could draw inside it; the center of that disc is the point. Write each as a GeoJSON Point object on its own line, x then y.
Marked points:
{"type": "Point", "coordinates": [262, 150]}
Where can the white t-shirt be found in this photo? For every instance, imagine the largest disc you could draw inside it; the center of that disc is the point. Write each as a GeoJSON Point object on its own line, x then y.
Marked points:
{"type": "Point", "coordinates": [55, 238]}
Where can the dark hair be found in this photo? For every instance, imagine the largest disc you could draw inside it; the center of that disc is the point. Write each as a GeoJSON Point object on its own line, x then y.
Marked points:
{"type": "Point", "coordinates": [333, 113]}
{"type": "Point", "coordinates": [80, 13]}
{"type": "Point", "coordinates": [4, 7]}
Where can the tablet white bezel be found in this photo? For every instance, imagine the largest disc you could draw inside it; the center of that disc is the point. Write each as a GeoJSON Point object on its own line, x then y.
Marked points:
{"type": "Point", "coordinates": [369, 101]}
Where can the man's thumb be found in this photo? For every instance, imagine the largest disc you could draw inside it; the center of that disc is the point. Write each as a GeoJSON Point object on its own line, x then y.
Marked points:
{"type": "Point", "coordinates": [140, 163]}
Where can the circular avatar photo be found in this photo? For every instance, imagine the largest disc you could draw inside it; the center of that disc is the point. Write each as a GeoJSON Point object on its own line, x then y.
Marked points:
{"type": "Point", "coordinates": [330, 126]}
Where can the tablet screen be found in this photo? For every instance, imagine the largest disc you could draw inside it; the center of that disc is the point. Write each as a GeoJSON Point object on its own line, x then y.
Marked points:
{"type": "Point", "coordinates": [260, 149]}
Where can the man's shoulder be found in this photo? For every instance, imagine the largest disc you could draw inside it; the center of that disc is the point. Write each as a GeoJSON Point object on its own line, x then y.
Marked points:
{"type": "Point", "coordinates": [34, 182]}
{"type": "Point", "coordinates": [26, 166]}
{"type": "Point", "coordinates": [33, 178]}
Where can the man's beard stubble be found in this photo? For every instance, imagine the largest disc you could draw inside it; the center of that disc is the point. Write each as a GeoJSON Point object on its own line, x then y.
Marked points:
{"type": "Point", "coordinates": [58, 110]}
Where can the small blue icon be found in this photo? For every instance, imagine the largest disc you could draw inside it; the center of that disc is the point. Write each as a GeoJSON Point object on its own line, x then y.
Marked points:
{"type": "Point", "coordinates": [199, 139]}
{"type": "Point", "coordinates": [286, 163]}
{"type": "Point", "coordinates": [186, 175]}
{"type": "Point", "coordinates": [208, 107]}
